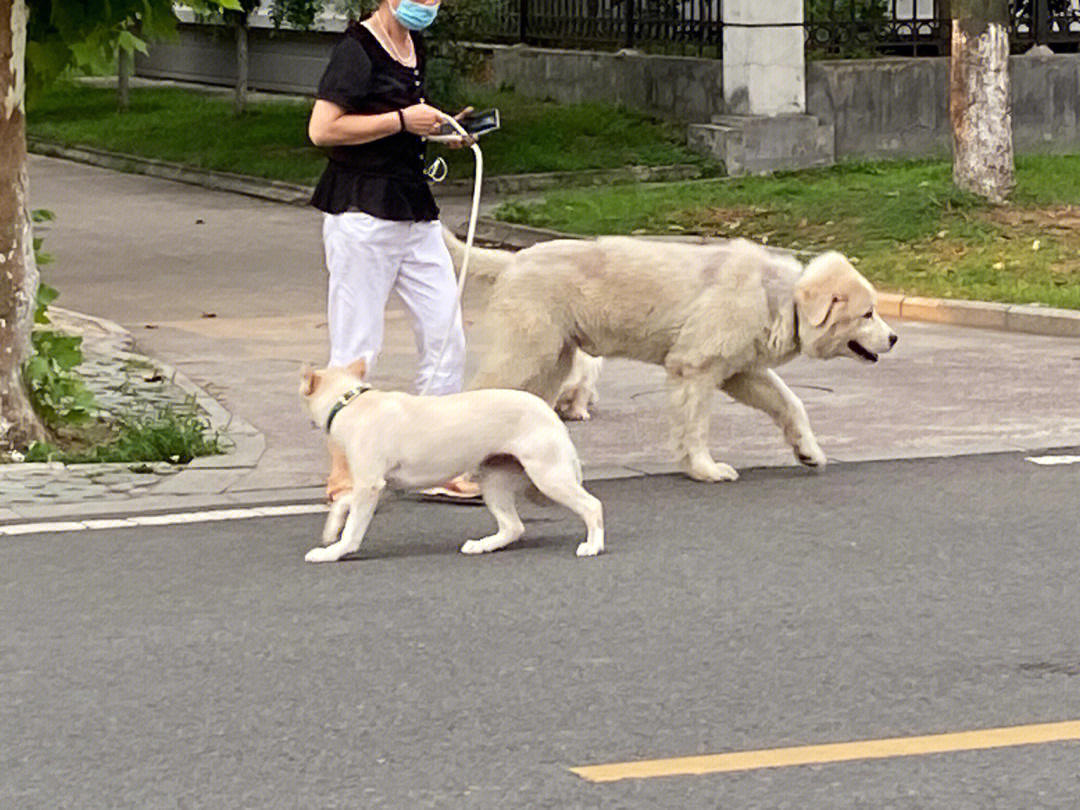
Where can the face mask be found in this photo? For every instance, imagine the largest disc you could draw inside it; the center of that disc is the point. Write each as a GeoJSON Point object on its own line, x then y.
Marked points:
{"type": "Point", "coordinates": [415, 16]}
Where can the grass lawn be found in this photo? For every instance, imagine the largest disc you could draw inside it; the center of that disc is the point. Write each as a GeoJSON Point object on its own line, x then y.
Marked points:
{"type": "Point", "coordinates": [907, 227]}
{"type": "Point", "coordinates": [270, 139]}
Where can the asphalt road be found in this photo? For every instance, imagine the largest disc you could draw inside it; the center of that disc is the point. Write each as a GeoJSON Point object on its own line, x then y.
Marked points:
{"type": "Point", "coordinates": [205, 665]}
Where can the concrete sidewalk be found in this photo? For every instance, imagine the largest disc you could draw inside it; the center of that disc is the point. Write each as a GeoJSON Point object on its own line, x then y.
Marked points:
{"type": "Point", "coordinates": [230, 291]}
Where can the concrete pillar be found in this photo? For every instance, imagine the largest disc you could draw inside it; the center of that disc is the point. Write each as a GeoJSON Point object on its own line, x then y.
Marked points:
{"type": "Point", "coordinates": [764, 61]}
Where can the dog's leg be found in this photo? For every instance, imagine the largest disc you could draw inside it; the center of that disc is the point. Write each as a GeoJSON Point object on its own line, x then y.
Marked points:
{"type": "Point", "coordinates": [336, 519]}
{"type": "Point", "coordinates": [690, 399]}
{"type": "Point", "coordinates": [576, 400]}
{"type": "Point", "coordinates": [765, 391]}
{"type": "Point", "coordinates": [498, 490]}
{"type": "Point", "coordinates": [578, 408]}
{"type": "Point", "coordinates": [528, 354]}
{"type": "Point", "coordinates": [340, 480]}
{"type": "Point", "coordinates": [561, 482]}
{"type": "Point", "coordinates": [362, 504]}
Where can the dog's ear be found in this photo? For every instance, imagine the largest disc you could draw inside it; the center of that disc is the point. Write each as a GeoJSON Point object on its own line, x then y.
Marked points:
{"type": "Point", "coordinates": [309, 380]}
{"type": "Point", "coordinates": [816, 303]}
{"type": "Point", "coordinates": [358, 368]}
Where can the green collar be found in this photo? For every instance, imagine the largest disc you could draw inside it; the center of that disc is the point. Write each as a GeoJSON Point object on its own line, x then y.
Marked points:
{"type": "Point", "coordinates": [344, 400]}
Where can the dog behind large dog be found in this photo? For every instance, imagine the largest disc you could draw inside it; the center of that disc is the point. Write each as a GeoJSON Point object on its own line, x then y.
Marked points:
{"type": "Point", "coordinates": [712, 315]}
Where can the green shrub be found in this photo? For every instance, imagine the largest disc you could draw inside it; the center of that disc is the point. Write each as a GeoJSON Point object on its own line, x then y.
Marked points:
{"type": "Point", "coordinates": [57, 395]}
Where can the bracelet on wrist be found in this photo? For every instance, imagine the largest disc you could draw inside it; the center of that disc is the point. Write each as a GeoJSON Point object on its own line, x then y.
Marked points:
{"type": "Point", "coordinates": [401, 118]}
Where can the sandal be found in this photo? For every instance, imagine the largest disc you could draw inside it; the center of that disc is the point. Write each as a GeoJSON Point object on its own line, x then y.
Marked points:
{"type": "Point", "coordinates": [339, 491]}
{"type": "Point", "coordinates": [457, 490]}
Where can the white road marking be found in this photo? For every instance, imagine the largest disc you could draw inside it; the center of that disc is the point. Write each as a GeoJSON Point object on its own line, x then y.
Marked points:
{"type": "Point", "coordinates": [1050, 461]}
{"type": "Point", "coordinates": [172, 519]}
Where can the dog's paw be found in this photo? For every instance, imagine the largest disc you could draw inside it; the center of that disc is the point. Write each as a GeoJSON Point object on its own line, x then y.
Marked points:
{"type": "Point", "coordinates": [587, 549]}
{"type": "Point", "coordinates": [319, 554]}
{"type": "Point", "coordinates": [712, 472]}
{"type": "Point", "coordinates": [473, 547]}
{"type": "Point", "coordinates": [814, 462]}
{"type": "Point", "coordinates": [810, 455]}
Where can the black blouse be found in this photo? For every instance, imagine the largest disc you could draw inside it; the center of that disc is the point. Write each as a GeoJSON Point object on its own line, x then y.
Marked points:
{"type": "Point", "coordinates": [385, 177]}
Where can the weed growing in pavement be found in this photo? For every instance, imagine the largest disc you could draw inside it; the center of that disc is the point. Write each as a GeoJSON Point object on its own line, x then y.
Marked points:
{"type": "Point", "coordinates": [169, 433]}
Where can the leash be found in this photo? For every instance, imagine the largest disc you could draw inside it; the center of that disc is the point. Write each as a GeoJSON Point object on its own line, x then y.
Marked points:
{"type": "Point", "coordinates": [478, 176]}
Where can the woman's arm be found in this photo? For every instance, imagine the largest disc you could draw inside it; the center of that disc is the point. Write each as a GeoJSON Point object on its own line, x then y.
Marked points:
{"type": "Point", "coordinates": [330, 125]}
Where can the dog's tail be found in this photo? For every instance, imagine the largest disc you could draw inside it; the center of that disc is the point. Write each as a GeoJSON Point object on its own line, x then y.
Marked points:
{"type": "Point", "coordinates": [484, 263]}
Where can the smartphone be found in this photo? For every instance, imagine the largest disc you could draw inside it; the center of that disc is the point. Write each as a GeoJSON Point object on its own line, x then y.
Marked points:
{"type": "Point", "coordinates": [475, 123]}
{"type": "Point", "coordinates": [481, 123]}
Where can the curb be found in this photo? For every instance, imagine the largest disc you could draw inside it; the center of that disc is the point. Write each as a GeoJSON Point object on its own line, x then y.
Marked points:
{"type": "Point", "coordinates": [1030, 318]}
{"type": "Point", "coordinates": [273, 190]}
{"type": "Point", "coordinates": [1034, 319]}
{"type": "Point", "coordinates": [540, 181]}
{"type": "Point", "coordinates": [300, 194]}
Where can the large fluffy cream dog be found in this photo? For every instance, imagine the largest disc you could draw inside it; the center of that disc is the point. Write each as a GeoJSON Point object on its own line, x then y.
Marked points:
{"type": "Point", "coordinates": [713, 316]}
{"type": "Point", "coordinates": [391, 438]}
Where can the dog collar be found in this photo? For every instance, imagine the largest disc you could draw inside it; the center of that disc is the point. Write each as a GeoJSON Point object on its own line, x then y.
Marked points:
{"type": "Point", "coordinates": [344, 400]}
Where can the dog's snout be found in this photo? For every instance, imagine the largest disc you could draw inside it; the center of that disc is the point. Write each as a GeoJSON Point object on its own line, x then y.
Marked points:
{"type": "Point", "coordinates": [892, 339]}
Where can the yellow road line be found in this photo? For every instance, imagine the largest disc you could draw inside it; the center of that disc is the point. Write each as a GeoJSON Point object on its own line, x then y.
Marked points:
{"type": "Point", "coordinates": [834, 752]}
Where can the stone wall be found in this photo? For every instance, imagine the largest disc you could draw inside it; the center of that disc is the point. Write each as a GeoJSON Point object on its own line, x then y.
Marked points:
{"type": "Point", "coordinates": [680, 88]}
{"type": "Point", "coordinates": [285, 62]}
{"type": "Point", "coordinates": [878, 107]}
{"type": "Point", "coordinates": [900, 107]}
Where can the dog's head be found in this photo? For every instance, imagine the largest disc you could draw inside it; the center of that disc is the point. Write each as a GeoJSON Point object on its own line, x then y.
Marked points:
{"type": "Point", "coordinates": [837, 313]}
{"type": "Point", "coordinates": [321, 387]}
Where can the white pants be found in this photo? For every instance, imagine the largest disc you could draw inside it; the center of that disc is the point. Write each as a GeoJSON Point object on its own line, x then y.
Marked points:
{"type": "Point", "coordinates": [368, 258]}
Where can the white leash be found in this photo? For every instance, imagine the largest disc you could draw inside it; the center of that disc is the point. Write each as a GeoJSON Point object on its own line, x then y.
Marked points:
{"type": "Point", "coordinates": [473, 214]}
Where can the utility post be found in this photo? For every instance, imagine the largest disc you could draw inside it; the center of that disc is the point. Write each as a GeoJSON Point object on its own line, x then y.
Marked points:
{"type": "Point", "coordinates": [980, 109]}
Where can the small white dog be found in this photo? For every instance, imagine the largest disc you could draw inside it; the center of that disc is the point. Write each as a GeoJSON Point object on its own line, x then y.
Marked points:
{"type": "Point", "coordinates": [507, 437]}
{"type": "Point", "coordinates": [579, 389]}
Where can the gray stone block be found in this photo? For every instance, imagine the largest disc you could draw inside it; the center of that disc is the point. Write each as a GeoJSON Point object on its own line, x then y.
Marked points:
{"type": "Point", "coordinates": [756, 144]}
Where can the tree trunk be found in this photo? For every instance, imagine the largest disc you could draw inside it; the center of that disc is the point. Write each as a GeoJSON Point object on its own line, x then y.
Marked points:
{"type": "Point", "coordinates": [240, 97]}
{"type": "Point", "coordinates": [123, 79]}
{"type": "Point", "coordinates": [18, 271]}
{"type": "Point", "coordinates": [979, 104]}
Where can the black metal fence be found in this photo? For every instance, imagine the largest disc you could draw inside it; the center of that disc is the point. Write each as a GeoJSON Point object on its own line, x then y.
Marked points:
{"type": "Point", "coordinates": [873, 27]}
{"type": "Point", "coordinates": [923, 27]}
{"type": "Point", "coordinates": [834, 28]}
{"type": "Point", "coordinates": [686, 27]}
{"type": "Point", "coordinates": [1055, 23]}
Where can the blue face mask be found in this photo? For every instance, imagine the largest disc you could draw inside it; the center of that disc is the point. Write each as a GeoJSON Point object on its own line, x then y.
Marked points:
{"type": "Point", "coordinates": [415, 16]}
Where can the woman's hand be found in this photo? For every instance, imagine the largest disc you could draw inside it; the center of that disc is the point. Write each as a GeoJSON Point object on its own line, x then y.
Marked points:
{"type": "Point", "coordinates": [422, 119]}
{"type": "Point", "coordinates": [460, 142]}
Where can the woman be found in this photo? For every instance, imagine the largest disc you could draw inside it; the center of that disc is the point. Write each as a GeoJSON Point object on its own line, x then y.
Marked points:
{"type": "Point", "coordinates": [381, 231]}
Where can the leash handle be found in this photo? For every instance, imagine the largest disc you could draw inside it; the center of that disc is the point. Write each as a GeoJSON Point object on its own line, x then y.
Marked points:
{"type": "Point", "coordinates": [473, 215]}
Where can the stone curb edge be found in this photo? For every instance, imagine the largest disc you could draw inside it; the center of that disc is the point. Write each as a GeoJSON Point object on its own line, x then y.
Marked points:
{"type": "Point", "coordinates": [299, 194]}
{"type": "Point", "coordinates": [273, 190]}
{"type": "Point", "coordinates": [1030, 318]}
